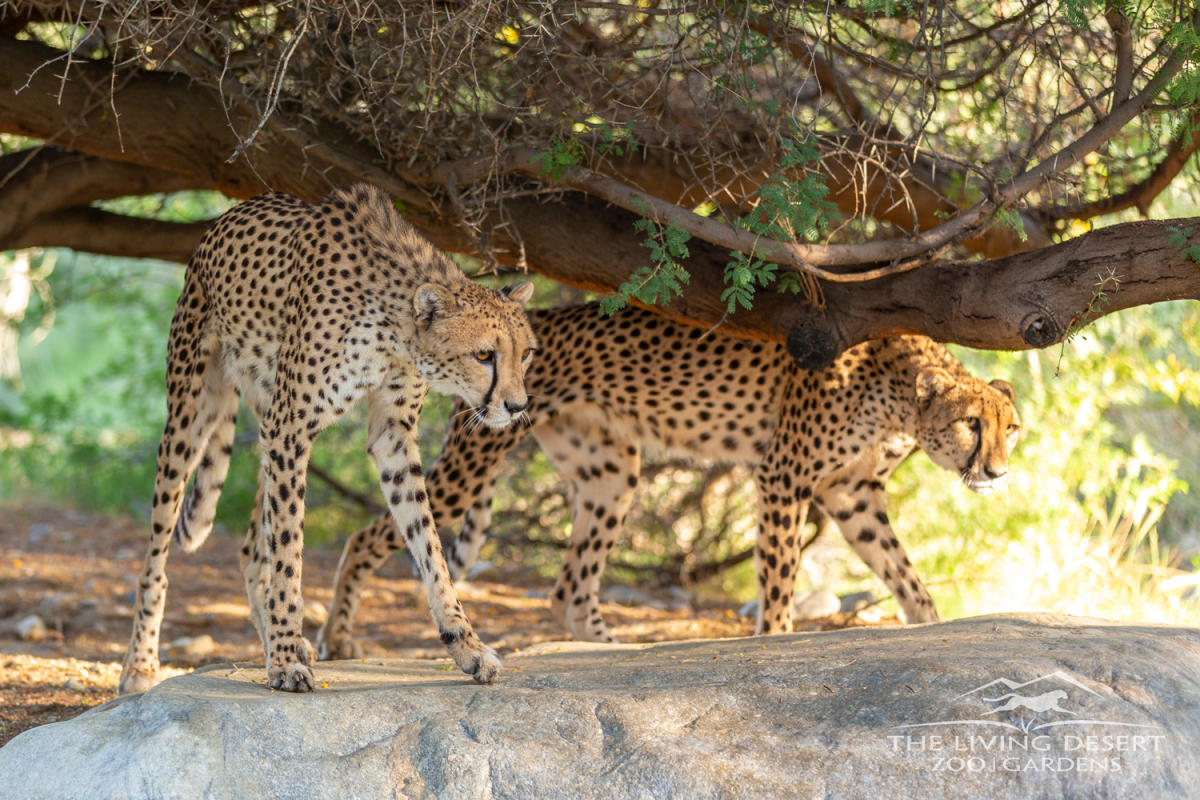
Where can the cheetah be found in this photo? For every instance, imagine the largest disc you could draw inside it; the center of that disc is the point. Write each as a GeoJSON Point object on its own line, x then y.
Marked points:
{"type": "Point", "coordinates": [303, 309]}
{"type": "Point", "coordinates": [605, 389]}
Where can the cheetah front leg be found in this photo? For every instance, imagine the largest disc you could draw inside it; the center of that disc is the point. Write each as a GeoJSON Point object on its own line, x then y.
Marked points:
{"type": "Point", "coordinates": [857, 503]}
{"type": "Point", "coordinates": [280, 540]}
{"type": "Point", "coordinates": [256, 572]}
{"type": "Point", "coordinates": [393, 445]}
{"type": "Point", "coordinates": [463, 473]}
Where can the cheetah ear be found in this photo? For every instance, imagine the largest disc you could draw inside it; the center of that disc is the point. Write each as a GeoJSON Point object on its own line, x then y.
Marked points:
{"type": "Point", "coordinates": [931, 382]}
{"type": "Point", "coordinates": [1005, 388]}
{"type": "Point", "coordinates": [432, 301]}
{"type": "Point", "coordinates": [519, 292]}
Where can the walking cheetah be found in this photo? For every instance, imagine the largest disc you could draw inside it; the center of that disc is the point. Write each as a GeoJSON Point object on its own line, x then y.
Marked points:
{"type": "Point", "coordinates": [606, 388]}
{"type": "Point", "coordinates": [303, 309]}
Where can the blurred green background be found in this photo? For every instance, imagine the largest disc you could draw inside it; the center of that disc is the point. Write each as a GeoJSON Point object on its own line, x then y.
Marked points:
{"type": "Point", "coordinates": [1097, 518]}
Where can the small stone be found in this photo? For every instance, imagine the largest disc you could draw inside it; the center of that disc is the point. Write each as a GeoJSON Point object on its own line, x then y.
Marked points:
{"type": "Point", "coordinates": [73, 684]}
{"type": "Point", "coordinates": [623, 595]}
{"type": "Point", "coordinates": [479, 568]}
{"type": "Point", "coordinates": [815, 605]}
{"type": "Point", "coordinates": [857, 601]}
{"type": "Point", "coordinates": [678, 599]}
{"type": "Point", "coordinates": [750, 609]}
{"type": "Point", "coordinates": [314, 614]}
{"type": "Point", "coordinates": [195, 646]}
{"type": "Point", "coordinates": [31, 628]}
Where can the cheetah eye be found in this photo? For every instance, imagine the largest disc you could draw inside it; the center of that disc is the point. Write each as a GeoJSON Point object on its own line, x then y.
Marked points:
{"type": "Point", "coordinates": [1013, 429]}
{"type": "Point", "coordinates": [971, 422]}
{"type": "Point", "coordinates": [528, 354]}
{"type": "Point", "coordinates": [485, 356]}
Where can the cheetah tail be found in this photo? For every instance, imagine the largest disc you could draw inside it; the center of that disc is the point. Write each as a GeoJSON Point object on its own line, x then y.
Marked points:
{"type": "Point", "coordinates": [200, 508]}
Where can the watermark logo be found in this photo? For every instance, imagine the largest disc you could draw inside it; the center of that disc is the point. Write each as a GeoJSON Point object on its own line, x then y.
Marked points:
{"type": "Point", "coordinates": [1052, 723]}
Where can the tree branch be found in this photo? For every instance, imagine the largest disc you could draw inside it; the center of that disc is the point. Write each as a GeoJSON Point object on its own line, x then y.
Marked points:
{"type": "Point", "coordinates": [36, 182]}
{"type": "Point", "coordinates": [1141, 194]}
{"type": "Point", "coordinates": [1123, 40]}
{"type": "Point", "coordinates": [1014, 303]}
{"type": "Point", "coordinates": [97, 231]}
{"type": "Point", "coordinates": [170, 124]}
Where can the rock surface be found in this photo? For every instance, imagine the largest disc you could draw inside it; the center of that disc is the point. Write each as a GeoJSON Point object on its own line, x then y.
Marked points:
{"type": "Point", "coordinates": [1002, 706]}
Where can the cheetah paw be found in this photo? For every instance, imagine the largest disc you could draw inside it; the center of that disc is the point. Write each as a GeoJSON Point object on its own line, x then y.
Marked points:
{"type": "Point", "coordinates": [338, 647]}
{"type": "Point", "coordinates": [480, 661]}
{"type": "Point", "coordinates": [293, 677]}
{"type": "Point", "coordinates": [134, 681]}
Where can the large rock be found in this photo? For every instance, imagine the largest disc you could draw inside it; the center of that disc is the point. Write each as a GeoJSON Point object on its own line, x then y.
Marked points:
{"type": "Point", "coordinates": [1003, 706]}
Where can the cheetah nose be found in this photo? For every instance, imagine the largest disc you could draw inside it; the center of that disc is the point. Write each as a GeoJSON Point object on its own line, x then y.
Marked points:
{"type": "Point", "coordinates": [515, 408]}
{"type": "Point", "coordinates": [994, 472]}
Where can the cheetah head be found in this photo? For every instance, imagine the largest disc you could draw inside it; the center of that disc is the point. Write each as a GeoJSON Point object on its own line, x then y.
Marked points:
{"type": "Point", "coordinates": [967, 425]}
{"type": "Point", "coordinates": [475, 343]}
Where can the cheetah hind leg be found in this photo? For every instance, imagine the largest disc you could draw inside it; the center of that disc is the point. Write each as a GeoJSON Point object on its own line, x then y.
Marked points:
{"type": "Point", "coordinates": [179, 453]}
{"type": "Point", "coordinates": [464, 550]}
{"type": "Point", "coordinates": [364, 552]}
{"type": "Point", "coordinates": [600, 502]}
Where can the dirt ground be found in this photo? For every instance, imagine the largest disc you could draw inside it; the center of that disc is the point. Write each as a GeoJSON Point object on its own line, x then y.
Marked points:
{"type": "Point", "coordinates": [76, 573]}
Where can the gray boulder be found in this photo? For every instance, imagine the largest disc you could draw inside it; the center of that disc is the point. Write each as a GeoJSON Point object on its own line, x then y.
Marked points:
{"type": "Point", "coordinates": [1002, 706]}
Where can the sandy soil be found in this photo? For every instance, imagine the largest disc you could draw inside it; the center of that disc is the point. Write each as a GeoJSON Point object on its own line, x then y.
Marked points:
{"type": "Point", "coordinates": [75, 572]}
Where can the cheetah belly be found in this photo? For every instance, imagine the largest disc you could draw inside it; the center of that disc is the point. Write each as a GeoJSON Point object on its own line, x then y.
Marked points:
{"type": "Point", "coordinates": [728, 437]}
{"type": "Point", "coordinates": [252, 371]}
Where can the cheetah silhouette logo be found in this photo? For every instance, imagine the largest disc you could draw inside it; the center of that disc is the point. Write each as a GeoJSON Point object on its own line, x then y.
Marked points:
{"type": "Point", "coordinates": [1041, 710]}
{"type": "Point", "coordinates": [1038, 704]}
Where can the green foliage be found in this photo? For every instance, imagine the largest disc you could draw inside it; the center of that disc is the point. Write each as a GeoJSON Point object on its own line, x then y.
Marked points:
{"type": "Point", "coordinates": [661, 280]}
{"type": "Point", "coordinates": [561, 154]}
{"type": "Point", "coordinates": [566, 152]}
{"type": "Point", "coordinates": [1079, 13]}
{"type": "Point", "coordinates": [743, 275]}
{"type": "Point", "coordinates": [1180, 239]}
{"type": "Point", "coordinates": [1009, 218]}
{"type": "Point", "coordinates": [788, 210]}
{"type": "Point", "coordinates": [888, 8]}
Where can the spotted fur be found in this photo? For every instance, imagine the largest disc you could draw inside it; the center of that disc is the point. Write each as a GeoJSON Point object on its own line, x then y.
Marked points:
{"type": "Point", "coordinates": [303, 309]}
{"type": "Point", "coordinates": [605, 389]}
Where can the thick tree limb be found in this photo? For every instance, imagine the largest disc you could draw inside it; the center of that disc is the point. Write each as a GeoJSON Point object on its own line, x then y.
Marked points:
{"type": "Point", "coordinates": [96, 231]}
{"type": "Point", "coordinates": [36, 182]}
{"type": "Point", "coordinates": [1027, 300]}
{"type": "Point", "coordinates": [1014, 303]}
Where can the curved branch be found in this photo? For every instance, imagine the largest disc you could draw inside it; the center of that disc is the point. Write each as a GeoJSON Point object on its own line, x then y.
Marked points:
{"type": "Point", "coordinates": [1123, 40]}
{"type": "Point", "coordinates": [1141, 194]}
{"type": "Point", "coordinates": [42, 180]}
{"type": "Point", "coordinates": [97, 231]}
